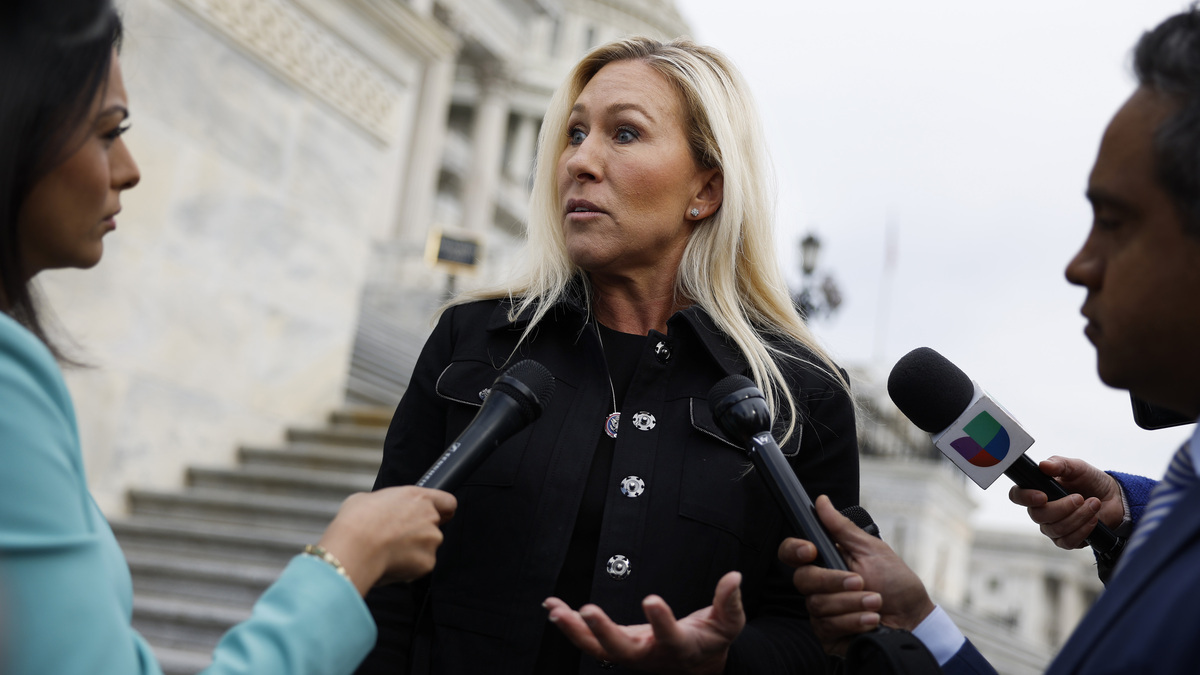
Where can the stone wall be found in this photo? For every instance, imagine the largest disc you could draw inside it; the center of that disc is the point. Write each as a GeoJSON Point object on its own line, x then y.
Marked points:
{"type": "Point", "coordinates": [225, 305]}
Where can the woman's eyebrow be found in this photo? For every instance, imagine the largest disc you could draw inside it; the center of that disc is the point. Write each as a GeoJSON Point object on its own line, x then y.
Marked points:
{"type": "Point", "coordinates": [115, 109]}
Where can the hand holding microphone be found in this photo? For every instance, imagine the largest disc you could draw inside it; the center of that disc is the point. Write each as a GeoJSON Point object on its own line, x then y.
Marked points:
{"type": "Point", "coordinates": [393, 534]}
{"type": "Point", "coordinates": [975, 432]}
{"type": "Point", "coordinates": [388, 535]}
{"type": "Point", "coordinates": [841, 617]}
{"type": "Point", "coordinates": [740, 409]}
{"type": "Point", "coordinates": [879, 590]}
{"type": "Point", "coordinates": [1094, 497]}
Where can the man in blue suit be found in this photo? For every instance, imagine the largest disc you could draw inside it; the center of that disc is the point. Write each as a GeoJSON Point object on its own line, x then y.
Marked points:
{"type": "Point", "coordinates": [1140, 265]}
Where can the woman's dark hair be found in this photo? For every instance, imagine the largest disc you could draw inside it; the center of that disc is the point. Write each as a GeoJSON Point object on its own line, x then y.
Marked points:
{"type": "Point", "coordinates": [1167, 59]}
{"type": "Point", "coordinates": [54, 59]}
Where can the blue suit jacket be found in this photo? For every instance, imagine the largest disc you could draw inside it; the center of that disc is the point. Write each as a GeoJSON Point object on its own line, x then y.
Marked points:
{"type": "Point", "coordinates": [1147, 619]}
{"type": "Point", "coordinates": [968, 661]}
{"type": "Point", "coordinates": [65, 592]}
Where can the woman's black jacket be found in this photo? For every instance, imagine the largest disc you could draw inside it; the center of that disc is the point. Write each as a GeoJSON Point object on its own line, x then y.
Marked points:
{"type": "Point", "coordinates": [703, 511]}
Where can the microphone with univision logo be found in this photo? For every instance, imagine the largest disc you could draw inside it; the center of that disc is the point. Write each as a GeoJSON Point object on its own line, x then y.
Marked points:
{"type": "Point", "coordinates": [973, 431]}
{"type": "Point", "coordinates": [970, 429]}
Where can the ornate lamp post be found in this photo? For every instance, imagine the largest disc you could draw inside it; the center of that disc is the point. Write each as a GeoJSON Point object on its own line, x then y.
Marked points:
{"type": "Point", "coordinates": [815, 299]}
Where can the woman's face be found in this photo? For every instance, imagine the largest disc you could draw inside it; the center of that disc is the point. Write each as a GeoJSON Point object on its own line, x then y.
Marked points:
{"type": "Point", "coordinates": [69, 210]}
{"type": "Point", "coordinates": [627, 180]}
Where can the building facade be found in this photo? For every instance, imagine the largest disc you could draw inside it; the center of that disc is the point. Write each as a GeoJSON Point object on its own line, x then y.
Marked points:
{"type": "Point", "coordinates": [296, 155]}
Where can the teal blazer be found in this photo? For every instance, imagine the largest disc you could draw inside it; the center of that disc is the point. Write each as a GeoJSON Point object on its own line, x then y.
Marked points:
{"type": "Point", "coordinates": [66, 597]}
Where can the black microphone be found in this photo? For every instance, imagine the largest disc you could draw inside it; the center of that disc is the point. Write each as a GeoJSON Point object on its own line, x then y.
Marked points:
{"type": "Point", "coordinates": [741, 411]}
{"type": "Point", "coordinates": [937, 396]}
{"type": "Point", "coordinates": [859, 516]}
{"type": "Point", "coordinates": [517, 398]}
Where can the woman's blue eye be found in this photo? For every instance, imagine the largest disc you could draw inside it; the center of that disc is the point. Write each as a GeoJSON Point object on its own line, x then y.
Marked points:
{"type": "Point", "coordinates": [576, 135]}
{"type": "Point", "coordinates": [625, 135]}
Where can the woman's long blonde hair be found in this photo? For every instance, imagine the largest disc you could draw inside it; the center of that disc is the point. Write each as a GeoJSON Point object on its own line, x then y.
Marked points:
{"type": "Point", "coordinates": [729, 267]}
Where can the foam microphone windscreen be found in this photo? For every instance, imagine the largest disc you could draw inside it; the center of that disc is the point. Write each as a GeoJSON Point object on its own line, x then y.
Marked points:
{"type": "Point", "coordinates": [539, 385]}
{"type": "Point", "coordinates": [859, 516]}
{"type": "Point", "coordinates": [929, 390]}
{"type": "Point", "coordinates": [727, 386]}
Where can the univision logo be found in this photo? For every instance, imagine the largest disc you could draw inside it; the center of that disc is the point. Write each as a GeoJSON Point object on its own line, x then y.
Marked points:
{"type": "Point", "coordinates": [986, 442]}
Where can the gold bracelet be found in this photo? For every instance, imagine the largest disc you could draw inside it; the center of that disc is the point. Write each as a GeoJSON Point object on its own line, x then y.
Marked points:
{"type": "Point", "coordinates": [317, 551]}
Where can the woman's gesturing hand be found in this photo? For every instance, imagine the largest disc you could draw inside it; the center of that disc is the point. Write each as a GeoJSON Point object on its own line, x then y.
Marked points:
{"type": "Point", "coordinates": [390, 534]}
{"type": "Point", "coordinates": [697, 644]}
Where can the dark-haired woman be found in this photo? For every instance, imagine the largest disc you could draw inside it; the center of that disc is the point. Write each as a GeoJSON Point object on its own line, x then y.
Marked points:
{"type": "Point", "coordinates": [65, 590]}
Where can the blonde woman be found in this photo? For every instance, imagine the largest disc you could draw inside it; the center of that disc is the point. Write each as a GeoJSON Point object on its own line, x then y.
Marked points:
{"type": "Point", "coordinates": [650, 275]}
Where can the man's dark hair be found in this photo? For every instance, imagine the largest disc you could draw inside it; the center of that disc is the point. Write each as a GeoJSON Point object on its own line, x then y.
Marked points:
{"type": "Point", "coordinates": [1167, 59]}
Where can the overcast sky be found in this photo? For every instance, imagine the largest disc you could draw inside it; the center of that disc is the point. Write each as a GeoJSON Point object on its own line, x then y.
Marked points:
{"type": "Point", "coordinates": [971, 128]}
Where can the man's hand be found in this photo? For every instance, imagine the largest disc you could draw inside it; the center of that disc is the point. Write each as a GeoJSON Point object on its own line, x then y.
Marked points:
{"type": "Point", "coordinates": [879, 588]}
{"type": "Point", "coordinates": [1095, 496]}
{"type": "Point", "coordinates": [698, 643]}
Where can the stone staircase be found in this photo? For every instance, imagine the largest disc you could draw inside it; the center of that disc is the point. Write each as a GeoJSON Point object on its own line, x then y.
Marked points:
{"type": "Point", "coordinates": [200, 557]}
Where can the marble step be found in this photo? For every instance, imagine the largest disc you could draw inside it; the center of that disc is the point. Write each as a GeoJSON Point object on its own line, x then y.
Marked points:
{"type": "Point", "coordinates": [338, 458]}
{"type": "Point", "coordinates": [211, 541]}
{"type": "Point", "coordinates": [282, 480]}
{"type": "Point", "coordinates": [168, 574]}
{"type": "Point", "coordinates": [238, 507]}
{"type": "Point", "coordinates": [355, 436]}
{"type": "Point", "coordinates": [364, 416]}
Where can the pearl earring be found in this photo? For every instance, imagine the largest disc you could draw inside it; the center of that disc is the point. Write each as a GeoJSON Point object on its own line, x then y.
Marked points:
{"type": "Point", "coordinates": [695, 212]}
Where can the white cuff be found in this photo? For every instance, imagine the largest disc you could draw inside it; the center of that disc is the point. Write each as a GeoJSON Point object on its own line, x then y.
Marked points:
{"type": "Point", "coordinates": [940, 636]}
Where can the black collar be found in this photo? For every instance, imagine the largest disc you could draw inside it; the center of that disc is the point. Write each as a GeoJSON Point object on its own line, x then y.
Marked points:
{"type": "Point", "coordinates": [571, 309]}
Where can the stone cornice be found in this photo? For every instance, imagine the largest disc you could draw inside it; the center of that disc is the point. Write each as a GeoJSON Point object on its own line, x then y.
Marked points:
{"type": "Point", "coordinates": [279, 35]}
{"type": "Point", "coordinates": [661, 14]}
{"type": "Point", "coordinates": [424, 35]}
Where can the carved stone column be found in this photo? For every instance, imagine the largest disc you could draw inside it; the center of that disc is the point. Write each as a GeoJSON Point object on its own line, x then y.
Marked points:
{"type": "Point", "coordinates": [487, 150]}
{"type": "Point", "coordinates": [520, 161]}
{"type": "Point", "coordinates": [425, 160]}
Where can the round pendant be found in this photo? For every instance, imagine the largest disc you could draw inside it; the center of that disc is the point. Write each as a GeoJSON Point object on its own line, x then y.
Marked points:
{"type": "Point", "coordinates": [610, 424]}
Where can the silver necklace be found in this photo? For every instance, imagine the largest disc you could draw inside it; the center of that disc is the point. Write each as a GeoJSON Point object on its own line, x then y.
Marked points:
{"type": "Point", "coordinates": [614, 418]}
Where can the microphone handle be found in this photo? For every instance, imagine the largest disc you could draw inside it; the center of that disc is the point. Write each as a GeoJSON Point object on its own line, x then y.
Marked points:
{"type": "Point", "coordinates": [1026, 474]}
{"type": "Point", "coordinates": [802, 516]}
{"type": "Point", "coordinates": [499, 418]}
{"type": "Point", "coordinates": [797, 507]}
